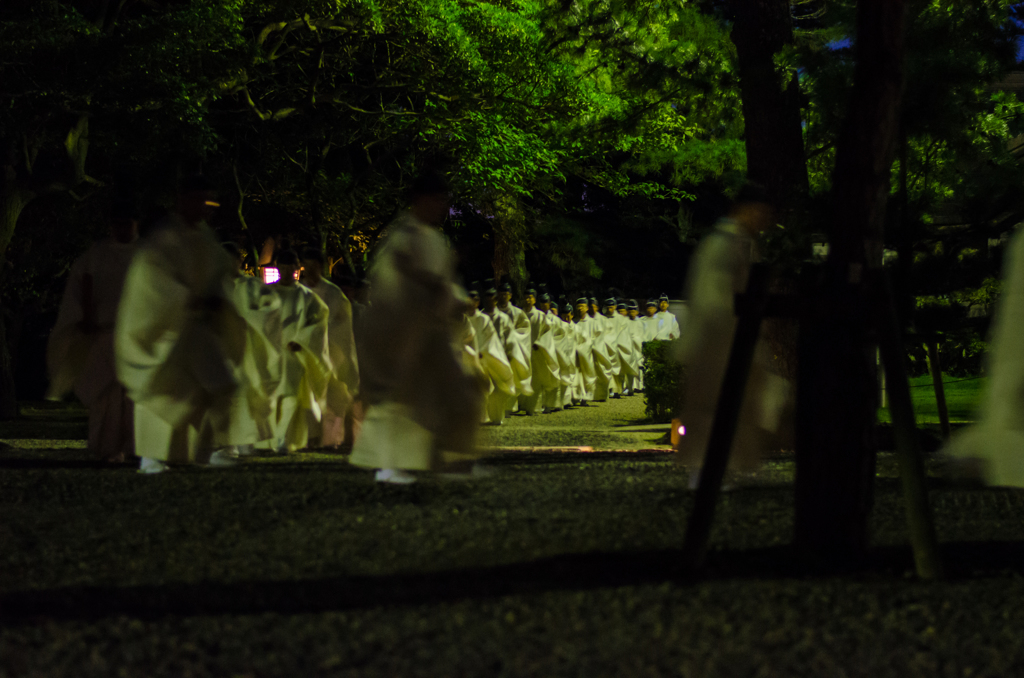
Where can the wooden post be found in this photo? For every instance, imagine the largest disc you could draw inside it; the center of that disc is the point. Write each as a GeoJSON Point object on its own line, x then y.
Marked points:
{"type": "Point", "coordinates": [940, 391]}
{"type": "Point", "coordinates": [727, 412]}
{"type": "Point", "coordinates": [908, 445]}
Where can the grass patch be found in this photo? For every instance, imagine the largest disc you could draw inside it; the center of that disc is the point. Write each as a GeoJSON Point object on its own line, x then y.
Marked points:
{"type": "Point", "coordinates": [963, 396]}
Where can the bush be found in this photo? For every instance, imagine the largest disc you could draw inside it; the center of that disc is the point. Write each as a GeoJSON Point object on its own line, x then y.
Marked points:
{"type": "Point", "coordinates": [663, 381]}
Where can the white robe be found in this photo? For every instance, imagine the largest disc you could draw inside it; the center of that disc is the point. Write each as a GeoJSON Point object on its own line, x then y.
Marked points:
{"type": "Point", "coordinates": [586, 367]}
{"type": "Point", "coordinates": [718, 271]}
{"type": "Point", "coordinates": [521, 334]}
{"type": "Point", "coordinates": [496, 363]}
{"type": "Point", "coordinates": [606, 356]}
{"type": "Point", "coordinates": [668, 326]}
{"type": "Point", "coordinates": [996, 441]}
{"type": "Point", "coordinates": [304, 366]}
{"type": "Point", "coordinates": [260, 308]}
{"type": "Point", "coordinates": [80, 350]}
{"type": "Point", "coordinates": [344, 381]}
{"type": "Point", "coordinates": [424, 408]}
{"type": "Point", "coordinates": [177, 342]}
{"type": "Point", "coordinates": [544, 368]}
{"type": "Point", "coordinates": [637, 332]}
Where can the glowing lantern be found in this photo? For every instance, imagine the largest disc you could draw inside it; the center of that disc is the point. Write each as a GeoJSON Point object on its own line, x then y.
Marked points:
{"type": "Point", "coordinates": [678, 431]}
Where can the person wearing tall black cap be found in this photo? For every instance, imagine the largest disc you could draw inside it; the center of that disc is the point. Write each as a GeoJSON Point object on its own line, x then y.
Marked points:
{"type": "Point", "coordinates": [423, 407]}
{"type": "Point", "coordinates": [344, 381]}
{"type": "Point", "coordinates": [668, 324]}
{"type": "Point", "coordinates": [304, 369]}
{"type": "Point", "coordinates": [491, 352]}
{"type": "Point", "coordinates": [543, 359]}
{"type": "Point", "coordinates": [718, 271]}
{"type": "Point", "coordinates": [522, 335]}
{"type": "Point", "coordinates": [650, 323]}
{"type": "Point", "coordinates": [586, 374]}
{"type": "Point", "coordinates": [606, 353]}
{"type": "Point", "coordinates": [620, 340]}
{"type": "Point", "coordinates": [80, 349]}
{"type": "Point", "coordinates": [636, 332]}
{"type": "Point", "coordinates": [568, 343]}
{"type": "Point", "coordinates": [500, 403]}
{"type": "Point", "coordinates": [175, 335]}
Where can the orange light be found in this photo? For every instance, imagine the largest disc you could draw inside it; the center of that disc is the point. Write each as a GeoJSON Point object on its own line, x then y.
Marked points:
{"type": "Point", "coordinates": [212, 203]}
{"type": "Point", "coordinates": [676, 432]}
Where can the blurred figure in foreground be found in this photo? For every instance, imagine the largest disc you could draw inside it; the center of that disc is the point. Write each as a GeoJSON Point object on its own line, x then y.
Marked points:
{"type": "Point", "coordinates": [178, 338]}
{"type": "Point", "coordinates": [992, 450]}
{"type": "Point", "coordinates": [718, 271]}
{"type": "Point", "coordinates": [80, 351]}
{"type": "Point", "coordinates": [424, 408]}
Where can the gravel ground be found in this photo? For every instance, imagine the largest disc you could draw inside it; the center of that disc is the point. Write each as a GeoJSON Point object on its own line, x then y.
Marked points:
{"type": "Point", "coordinates": [558, 565]}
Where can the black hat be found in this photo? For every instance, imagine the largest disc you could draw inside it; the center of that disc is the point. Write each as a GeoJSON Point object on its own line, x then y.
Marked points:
{"type": "Point", "coordinates": [287, 257]}
{"type": "Point", "coordinates": [531, 290]}
{"type": "Point", "coordinates": [611, 301]}
{"type": "Point", "coordinates": [663, 297]}
{"type": "Point", "coordinates": [544, 298]}
{"type": "Point", "coordinates": [651, 302]}
{"type": "Point", "coordinates": [582, 300]}
{"type": "Point", "coordinates": [593, 300]}
{"type": "Point", "coordinates": [621, 305]}
{"type": "Point", "coordinates": [567, 308]}
{"type": "Point", "coordinates": [428, 183]}
{"type": "Point", "coordinates": [474, 289]}
{"type": "Point", "coordinates": [505, 287]}
{"type": "Point", "coordinates": [631, 305]}
{"type": "Point", "coordinates": [488, 287]}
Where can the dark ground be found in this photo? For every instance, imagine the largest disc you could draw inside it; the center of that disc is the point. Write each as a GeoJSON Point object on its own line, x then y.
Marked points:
{"type": "Point", "coordinates": [560, 564]}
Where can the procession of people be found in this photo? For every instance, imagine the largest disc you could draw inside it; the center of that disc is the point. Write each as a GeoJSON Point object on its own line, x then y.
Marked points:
{"type": "Point", "coordinates": [184, 356]}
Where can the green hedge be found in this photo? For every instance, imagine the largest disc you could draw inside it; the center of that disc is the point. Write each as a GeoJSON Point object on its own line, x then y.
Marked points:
{"type": "Point", "coordinates": [663, 381]}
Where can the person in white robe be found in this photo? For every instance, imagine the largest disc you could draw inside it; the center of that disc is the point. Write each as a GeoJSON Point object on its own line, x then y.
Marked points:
{"type": "Point", "coordinates": [521, 334]}
{"type": "Point", "coordinates": [668, 324]}
{"type": "Point", "coordinates": [650, 323]}
{"type": "Point", "coordinates": [992, 449]}
{"type": "Point", "coordinates": [491, 352]}
{"type": "Point", "coordinates": [304, 359]}
{"type": "Point", "coordinates": [499, 404]}
{"type": "Point", "coordinates": [606, 353]}
{"type": "Point", "coordinates": [424, 407]}
{"type": "Point", "coordinates": [586, 372]}
{"type": "Point", "coordinates": [637, 333]}
{"type": "Point", "coordinates": [544, 369]}
{"type": "Point", "coordinates": [344, 381]}
{"type": "Point", "coordinates": [80, 349]}
{"type": "Point", "coordinates": [718, 271]}
{"type": "Point", "coordinates": [177, 337]}
{"type": "Point", "coordinates": [620, 340]}
{"type": "Point", "coordinates": [260, 308]}
{"type": "Point", "coordinates": [566, 342]}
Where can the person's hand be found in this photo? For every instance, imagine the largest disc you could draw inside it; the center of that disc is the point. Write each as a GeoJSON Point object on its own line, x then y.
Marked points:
{"type": "Point", "coordinates": [294, 347]}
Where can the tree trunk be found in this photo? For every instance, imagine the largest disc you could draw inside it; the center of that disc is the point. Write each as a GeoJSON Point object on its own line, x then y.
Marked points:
{"type": "Point", "coordinates": [838, 381]}
{"type": "Point", "coordinates": [771, 106]}
{"type": "Point", "coordinates": [13, 200]}
{"type": "Point", "coordinates": [509, 241]}
{"type": "Point", "coordinates": [773, 135]}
